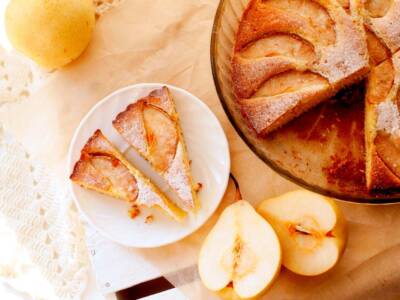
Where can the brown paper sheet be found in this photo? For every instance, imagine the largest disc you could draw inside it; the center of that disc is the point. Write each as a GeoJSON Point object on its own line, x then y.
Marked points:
{"type": "Point", "coordinates": [168, 41]}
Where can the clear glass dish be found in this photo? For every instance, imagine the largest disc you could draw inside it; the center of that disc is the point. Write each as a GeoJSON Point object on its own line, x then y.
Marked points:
{"type": "Point", "coordinates": [322, 150]}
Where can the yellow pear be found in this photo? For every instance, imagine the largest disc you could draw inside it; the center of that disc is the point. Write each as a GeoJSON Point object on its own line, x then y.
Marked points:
{"type": "Point", "coordinates": [311, 230]}
{"type": "Point", "coordinates": [50, 32]}
{"type": "Point", "coordinates": [241, 256]}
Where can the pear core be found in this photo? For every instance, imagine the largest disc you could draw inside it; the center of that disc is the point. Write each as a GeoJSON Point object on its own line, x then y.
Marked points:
{"type": "Point", "coordinates": [311, 229]}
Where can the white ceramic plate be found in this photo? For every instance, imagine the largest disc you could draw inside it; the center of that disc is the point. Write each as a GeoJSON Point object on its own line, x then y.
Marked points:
{"type": "Point", "coordinates": [207, 148]}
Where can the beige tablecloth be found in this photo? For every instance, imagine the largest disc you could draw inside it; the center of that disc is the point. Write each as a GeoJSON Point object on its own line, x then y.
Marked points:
{"type": "Point", "coordinates": [168, 41]}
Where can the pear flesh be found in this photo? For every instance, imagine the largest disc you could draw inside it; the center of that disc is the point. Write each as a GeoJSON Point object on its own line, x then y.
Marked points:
{"type": "Point", "coordinates": [311, 229]}
{"type": "Point", "coordinates": [242, 252]}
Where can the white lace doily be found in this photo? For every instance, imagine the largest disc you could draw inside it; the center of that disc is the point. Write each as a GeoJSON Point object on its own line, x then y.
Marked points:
{"type": "Point", "coordinates": [40, 212]}
{"type": "Point", "coordinates": [46, 255]}
{"type": "Point", "coordinates": [19, 77]}
{"type": "Point", "coordinates": [20, 277]}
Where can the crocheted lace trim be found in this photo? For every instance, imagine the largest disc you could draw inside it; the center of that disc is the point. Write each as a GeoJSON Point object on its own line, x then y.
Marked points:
{"type": "Point", "coordinates": [39, 210]}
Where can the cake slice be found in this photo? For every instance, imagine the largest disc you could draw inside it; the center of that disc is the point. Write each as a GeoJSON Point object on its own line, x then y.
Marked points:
{"type": "Point", "coordinates": [104, 169]}
{"type": "Point", "coordinates": [382, 119]}
{"type": "Point", "coordinates": [382, 126]}
{"type": "Point", "coordinates": [291, 55]}
{"type": "Point", "coordinates": [151, 126]}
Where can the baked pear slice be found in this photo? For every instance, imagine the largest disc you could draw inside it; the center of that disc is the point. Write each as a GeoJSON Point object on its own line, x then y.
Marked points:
{"type": "Point", "coordinates": [151, 126]}
{"type": "Point", "coordinates": [104, 169]}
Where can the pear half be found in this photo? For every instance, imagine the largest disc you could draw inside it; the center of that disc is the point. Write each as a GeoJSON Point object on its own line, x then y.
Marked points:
{"type": "Point", "coordinates": [241, 255]}
{"type": "Point", "coordinates": [311, 230]}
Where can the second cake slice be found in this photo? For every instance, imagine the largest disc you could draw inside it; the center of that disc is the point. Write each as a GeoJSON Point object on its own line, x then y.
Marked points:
{"type": "Point", "coordinates": [104, 169]}
{"type": "Point", "coordinates": [151, 126]}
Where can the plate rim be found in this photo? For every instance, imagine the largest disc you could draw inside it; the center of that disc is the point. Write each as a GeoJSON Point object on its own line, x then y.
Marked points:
{"type": "Point", "coordinates": [108, 97]}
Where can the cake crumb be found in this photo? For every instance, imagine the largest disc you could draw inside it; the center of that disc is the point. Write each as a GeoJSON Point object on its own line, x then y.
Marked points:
{"type": "Point", "coordinates": [149, 219]}
{"type": "Point", "coordinates": [134, 211]}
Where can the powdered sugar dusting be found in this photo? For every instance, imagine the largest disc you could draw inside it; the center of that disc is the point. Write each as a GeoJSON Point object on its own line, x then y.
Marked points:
{"type": "Point", "coordinates": [388, 118]}
{"type": "Point", "coordinates": [249, 74]}
{"type": "Point", "coordinates": [148, 197]}
{"type": "Point", "coordinates": [85, 173]}
{"type": "Point", "coordinates": [266, 113]}
{"type": "Point", "coordinates": [130, 125]}
{"type": "Point", "coordinates": [136, 131]}
{"type": "Point", "coordinates": [348, 56]}
{"type": "Point", "coordinates": [263, 115]}
{"type": "Point", "coordinates": [177, 177]}
{"type": "Point", "coordinates": [388, 27]}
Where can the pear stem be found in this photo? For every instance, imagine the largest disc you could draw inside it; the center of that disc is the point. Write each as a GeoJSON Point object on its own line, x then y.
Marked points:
{"type": "Point", "coordinates": [238, 195]}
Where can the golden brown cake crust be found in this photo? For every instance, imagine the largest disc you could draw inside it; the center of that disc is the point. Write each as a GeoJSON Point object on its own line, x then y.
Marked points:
{"type": "Point", "coordinates": [98, 143]}
{"type": "Point", "coordinates": [382, 178]}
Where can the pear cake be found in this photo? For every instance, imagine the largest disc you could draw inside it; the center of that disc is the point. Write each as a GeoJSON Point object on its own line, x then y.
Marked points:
{"type": "Point", "coordinates": [289, 56]}
{"type": "Point", "coordinates": [104, 169]}
{"type": "Point", "coordinates": [151, 126]}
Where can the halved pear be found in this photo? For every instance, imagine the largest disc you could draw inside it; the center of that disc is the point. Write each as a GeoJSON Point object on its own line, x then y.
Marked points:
{"type": "Point", "coordinates": [241, 255]}
{"type": "Point", "coordinates": [311, 229]}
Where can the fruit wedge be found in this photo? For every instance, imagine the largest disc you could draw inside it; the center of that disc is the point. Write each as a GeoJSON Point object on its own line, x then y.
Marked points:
{"type": "Point", "coordinates": [241, 255]}
{"type": "Point", "coordinates": [151, 127]}
{"type": "Point", "coordinates": [311, 229]}
{"type": "Point", "coordinates": [103, 168]}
